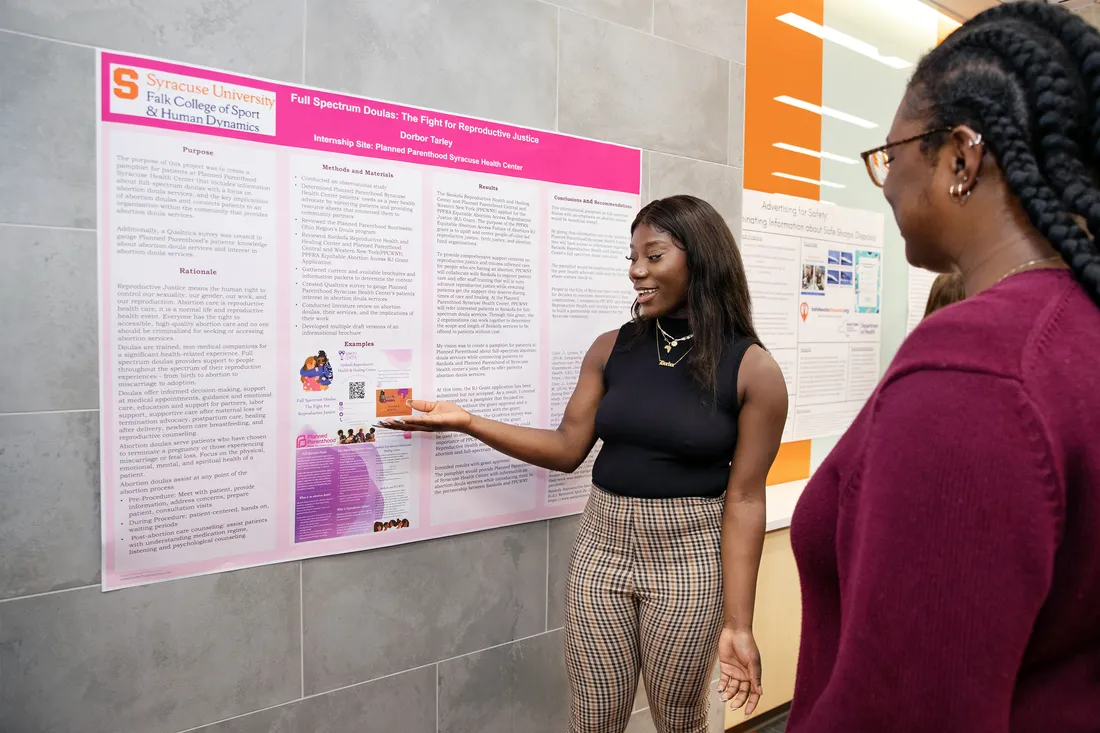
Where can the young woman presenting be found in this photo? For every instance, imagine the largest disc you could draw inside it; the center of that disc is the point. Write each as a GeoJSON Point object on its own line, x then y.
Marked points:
{"type": "Point", "coordinates": [690, 409]}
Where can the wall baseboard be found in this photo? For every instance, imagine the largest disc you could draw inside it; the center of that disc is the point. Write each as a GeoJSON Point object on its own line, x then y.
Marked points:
{"type": "Point", "coordinates": [756, 724]}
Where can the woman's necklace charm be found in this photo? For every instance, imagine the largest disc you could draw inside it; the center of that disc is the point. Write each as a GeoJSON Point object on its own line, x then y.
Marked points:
{"type": "Point", "coordinates": [668, 347]}
{"type": "Point", "coordinates": [670, 342]}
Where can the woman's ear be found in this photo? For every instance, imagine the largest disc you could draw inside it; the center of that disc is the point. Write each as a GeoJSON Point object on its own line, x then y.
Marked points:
{"type": "Point", "coordinates": [967, 149]}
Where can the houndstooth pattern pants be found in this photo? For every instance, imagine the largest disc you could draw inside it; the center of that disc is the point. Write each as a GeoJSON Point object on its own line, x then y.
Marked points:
{"type": "Point", "coordinates": [644, 591]}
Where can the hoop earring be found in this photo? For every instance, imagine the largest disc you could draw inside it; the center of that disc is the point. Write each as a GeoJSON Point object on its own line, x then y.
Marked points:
{"type": "Point", "coordinates": [958, 195]}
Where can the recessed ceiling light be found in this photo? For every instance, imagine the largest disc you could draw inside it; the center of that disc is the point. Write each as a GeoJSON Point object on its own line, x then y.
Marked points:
{"type": "Point", "coordinates": [826, 33]}
{"type": "Point", "coordinates": [816, 153]}
{"type": "Point", "coordinates": [827, 112]}
{"type": "Point", "coordinates": [828, 184]}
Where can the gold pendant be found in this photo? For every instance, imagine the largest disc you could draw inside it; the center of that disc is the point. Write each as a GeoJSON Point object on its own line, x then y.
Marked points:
{"type": "Point", "coordinates": [668, 347]}
{"type": "Point", "coordinates": [664, 363]}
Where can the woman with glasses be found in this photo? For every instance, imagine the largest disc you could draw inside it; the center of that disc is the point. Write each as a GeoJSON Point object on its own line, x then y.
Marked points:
{"type": "Point", "coordinates": [950, 558]}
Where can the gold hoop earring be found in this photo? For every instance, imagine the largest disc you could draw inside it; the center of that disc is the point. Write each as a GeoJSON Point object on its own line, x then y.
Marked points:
{"type": "Point", "coordinates": [957, 194]}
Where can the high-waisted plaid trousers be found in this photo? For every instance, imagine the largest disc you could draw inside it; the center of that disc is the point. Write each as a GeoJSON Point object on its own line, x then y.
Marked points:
{"type": "Point", "coordinates": [644, 591]}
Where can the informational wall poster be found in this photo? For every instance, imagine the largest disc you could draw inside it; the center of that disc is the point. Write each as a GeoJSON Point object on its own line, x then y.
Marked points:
{"type": "Point", "coordinates": [920, 287]}
{"type": "Point", "coordinates": [815, 276]}
{"type": "Point", "coordinates": [280, 267]}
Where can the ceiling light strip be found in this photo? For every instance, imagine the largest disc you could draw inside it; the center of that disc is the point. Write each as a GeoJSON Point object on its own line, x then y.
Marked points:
{"type": "Point", "coordinates": [827, 112]}
{"type": "Point", "coordinates": [840, 38]}
{"type": "Point", "coordinates": [815, 153]}
{"type": "Point", "coordinates": [828, 184]}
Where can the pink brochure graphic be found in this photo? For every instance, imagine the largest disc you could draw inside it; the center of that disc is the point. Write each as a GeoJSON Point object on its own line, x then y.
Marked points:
{"type": "Point", "coordinates": [281, 267]}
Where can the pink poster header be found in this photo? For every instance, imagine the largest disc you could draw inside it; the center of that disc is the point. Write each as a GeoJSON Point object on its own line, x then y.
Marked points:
{"type": "Point", "coordinates": [139, 91]}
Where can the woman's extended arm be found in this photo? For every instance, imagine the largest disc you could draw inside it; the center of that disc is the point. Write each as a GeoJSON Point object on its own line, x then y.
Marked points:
{"type": "Point", "coordinates": [562, 449]}
{"type": "Point", "coordinates": [759, 431]}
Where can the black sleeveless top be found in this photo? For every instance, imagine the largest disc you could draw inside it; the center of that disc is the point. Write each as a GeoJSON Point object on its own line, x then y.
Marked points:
{"type": "Point", "coordinates": [662, 438]}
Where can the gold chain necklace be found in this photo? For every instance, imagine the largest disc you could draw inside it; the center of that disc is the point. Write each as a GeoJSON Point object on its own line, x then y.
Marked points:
{"type": "Point", "coordinates": [1029, 265]}
{"type": "Point", "coordinates": [671, 342]}
{"type": "Point", "coordinates": [660, 359]}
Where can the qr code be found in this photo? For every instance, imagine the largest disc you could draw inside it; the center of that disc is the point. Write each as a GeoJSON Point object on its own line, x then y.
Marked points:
{"type": "Point", "coordinates": [357, 390]}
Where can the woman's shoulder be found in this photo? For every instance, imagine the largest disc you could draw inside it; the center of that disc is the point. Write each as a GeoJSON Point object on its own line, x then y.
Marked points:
{"type": "Point", "coordinates": [611, 341]}
{"type": "Point", "coordinates": [622, 337]}
{"type": "Point", "coordinates": [737, 348]}
{"type": "Point", "coordinates": [991, 332]}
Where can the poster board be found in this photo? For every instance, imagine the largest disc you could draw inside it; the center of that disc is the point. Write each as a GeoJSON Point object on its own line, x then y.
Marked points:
{"type": "Point", "coordinates": [920, 287]}
{"type": "Point", "coordinates": [280, 266]}
{"type": "Point", "coordinates": [815, 276]}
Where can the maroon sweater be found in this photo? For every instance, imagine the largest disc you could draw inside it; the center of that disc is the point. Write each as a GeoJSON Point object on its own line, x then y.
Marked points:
{"type": "Point", "coordinates": [949, 548]}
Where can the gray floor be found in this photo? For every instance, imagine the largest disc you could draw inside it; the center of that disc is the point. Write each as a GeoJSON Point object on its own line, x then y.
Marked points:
{"type": "Point", "coordinates": [778, 726]}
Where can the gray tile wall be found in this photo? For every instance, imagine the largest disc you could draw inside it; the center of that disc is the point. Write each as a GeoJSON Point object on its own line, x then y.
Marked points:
{"type": "Point", "coordinates": [460, 634]}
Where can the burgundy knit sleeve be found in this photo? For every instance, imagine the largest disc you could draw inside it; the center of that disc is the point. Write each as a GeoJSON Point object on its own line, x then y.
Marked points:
{"type": "Point", "coordinates": [946, 544]}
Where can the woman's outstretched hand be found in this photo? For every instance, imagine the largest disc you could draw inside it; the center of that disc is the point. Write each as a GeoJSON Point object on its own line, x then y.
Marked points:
{"type": "Point", "coordinates": [435, 417]}
{"type": "Point", "coordinates": [739, 660]}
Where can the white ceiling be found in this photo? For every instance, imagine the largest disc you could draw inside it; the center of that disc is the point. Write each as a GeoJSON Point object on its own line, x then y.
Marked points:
{"type": "Point", "coordinates": [963, 9]}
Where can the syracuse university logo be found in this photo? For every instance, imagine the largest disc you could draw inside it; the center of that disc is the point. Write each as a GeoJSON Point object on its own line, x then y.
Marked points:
{"type": "Point", "coordinates": [124, 83]}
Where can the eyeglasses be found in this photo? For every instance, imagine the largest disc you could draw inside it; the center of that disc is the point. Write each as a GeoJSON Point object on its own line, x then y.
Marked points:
{"type": "Point", "coordinates": [878, 160]}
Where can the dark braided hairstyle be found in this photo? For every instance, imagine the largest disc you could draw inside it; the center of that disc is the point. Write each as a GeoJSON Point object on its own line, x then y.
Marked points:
{"type": "Point", "coordinates": [1027, 77]}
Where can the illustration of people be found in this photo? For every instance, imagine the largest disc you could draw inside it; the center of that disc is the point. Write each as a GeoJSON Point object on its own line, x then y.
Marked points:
{"type": "Point", "coordinates": [341, 437]}
{"type": "Point", "coordinates": [371, 436]}
{"type": "Point", "coordinates": [383, 398]}
{"type": "Point", "coordinates": [361, 436]}
{"type": "Point", "coordinates": [311, 375]}
{"type": "Point", "coordinates": [324, 379]}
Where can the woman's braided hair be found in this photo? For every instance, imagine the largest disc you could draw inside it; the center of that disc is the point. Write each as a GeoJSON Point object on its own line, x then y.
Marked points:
{"type": "Point", "coordinates": [1027, 77]}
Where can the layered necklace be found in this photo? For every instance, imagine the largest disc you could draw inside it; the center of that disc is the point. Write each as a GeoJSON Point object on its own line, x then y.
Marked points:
{"type": "Point", "coordinates": [670, 343]}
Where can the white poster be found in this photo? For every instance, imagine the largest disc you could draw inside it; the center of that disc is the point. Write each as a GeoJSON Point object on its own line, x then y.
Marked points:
{"type": "Point", "coordinates": [920, 286]}
{"type": "Point", "coordinates": [815, 276]}
{"type": "Point", "coordinates": [281, 267]}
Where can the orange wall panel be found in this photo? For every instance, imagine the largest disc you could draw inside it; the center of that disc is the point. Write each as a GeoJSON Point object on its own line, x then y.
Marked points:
{"type": "Point", "coordinates": [781, 60]}
{"type": "Point", "coordinates": [792, 463]}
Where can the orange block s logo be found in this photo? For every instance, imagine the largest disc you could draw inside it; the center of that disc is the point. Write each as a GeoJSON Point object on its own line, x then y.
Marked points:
{"type": "Point", "coordinates": [125, 86]}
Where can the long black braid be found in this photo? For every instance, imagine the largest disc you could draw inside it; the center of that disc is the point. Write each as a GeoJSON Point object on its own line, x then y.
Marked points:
{"type": "Point", "coordinates": [1077, 37]}
{"type": "Point", "coordinates": [1009, 75]}
{"type": "Point", "coordinates": [1059, 105]}
{"type": "Point", "coordinates": [1082, 43]}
